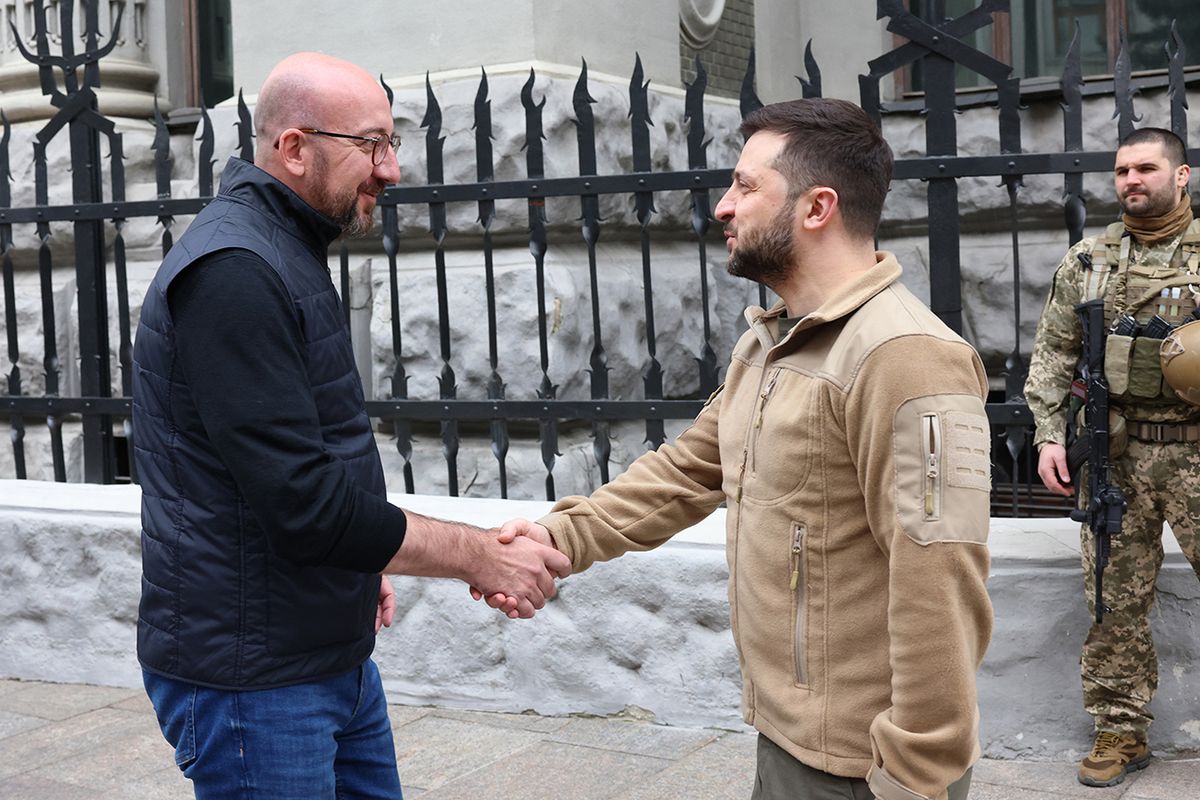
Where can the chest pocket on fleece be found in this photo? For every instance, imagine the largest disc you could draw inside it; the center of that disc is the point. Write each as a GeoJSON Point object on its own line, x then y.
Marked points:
{"type": "Point", "coordinates": [782, 428]}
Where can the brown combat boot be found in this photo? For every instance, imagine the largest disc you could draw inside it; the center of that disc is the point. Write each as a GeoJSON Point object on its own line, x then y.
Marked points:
{"type": "Point", "coordinates": [1113, 756]}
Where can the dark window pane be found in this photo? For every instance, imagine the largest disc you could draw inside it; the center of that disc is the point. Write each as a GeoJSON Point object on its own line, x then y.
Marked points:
{"type": "Point", "coordinates": [981, 40]}
{"type": "Point", "coordinates": [1042, 32]}
{"type": "Point", "coordinates": [1150, 27]}
{"type": "Point", "coordinates": [215, 36]}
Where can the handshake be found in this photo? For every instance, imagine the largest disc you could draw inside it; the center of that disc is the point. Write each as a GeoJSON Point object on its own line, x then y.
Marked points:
{"type": "Point", "coordinates": [512, 568]}
{"type": "Point", "coordinates": [516, 577]}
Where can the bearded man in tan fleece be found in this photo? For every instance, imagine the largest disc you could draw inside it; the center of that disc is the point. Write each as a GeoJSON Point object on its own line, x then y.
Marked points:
{"type": "Point", "coordinates": [850, 444]}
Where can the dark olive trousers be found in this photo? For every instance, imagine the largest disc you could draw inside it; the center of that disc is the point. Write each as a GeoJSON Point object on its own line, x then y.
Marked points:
{"type": "Point", "coordinates": [781, 777]}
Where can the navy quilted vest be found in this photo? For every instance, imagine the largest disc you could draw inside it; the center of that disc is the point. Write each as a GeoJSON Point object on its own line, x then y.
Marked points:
{"type": "Point", "coordinates": [218, 607]}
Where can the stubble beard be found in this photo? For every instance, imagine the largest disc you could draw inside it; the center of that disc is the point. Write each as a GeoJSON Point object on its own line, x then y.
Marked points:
{"type": "Point", "coordinates": [1155, 205]}
{"type": "Point", "coordinates": [765, 257]}
{"type": "Point", "coordinates": [342, 206]}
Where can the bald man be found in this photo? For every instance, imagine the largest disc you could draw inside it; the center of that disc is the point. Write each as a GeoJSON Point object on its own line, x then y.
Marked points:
{"type": "Point", "coordinates": [265, 524]}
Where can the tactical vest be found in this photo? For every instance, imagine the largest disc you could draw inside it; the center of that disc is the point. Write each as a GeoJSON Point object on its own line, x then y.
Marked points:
{"type": "Point", "coordinates": [219, 607]}
{"type": "Point", "coordinates": [1143, 291]}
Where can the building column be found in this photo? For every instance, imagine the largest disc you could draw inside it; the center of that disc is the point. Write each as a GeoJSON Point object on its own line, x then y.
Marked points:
{"type": "Point", "coordinates": [129, 79]}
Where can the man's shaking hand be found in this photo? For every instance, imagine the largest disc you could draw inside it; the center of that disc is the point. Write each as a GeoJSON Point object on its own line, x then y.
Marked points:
{"type": "Point", "coordinates": [509, 533]}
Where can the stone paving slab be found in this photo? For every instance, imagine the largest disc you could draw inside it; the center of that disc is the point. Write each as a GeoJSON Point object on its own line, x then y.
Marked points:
{"type": "Point", "coordinates": [1033, 776]}
{"type": "Point", "coordinates": [524, 722]}
{"type": "Point", "coordinates": [115, 752]}
{"type": "Point", "coordinates": [133, 750]}
{"type": "Point", "coordinates": [24, 787]}
{"type": "Point", "coordinates": [166, 783]}
{"type": "Point", "coordinates": [721, 770]}
{"type": "Point", "coordinates": [12, 723]}
{"type": "Point", "coordinates": [402, 715]}
{"type": "Point", "coordinates": [49, 701]}
{"type": "Point", "coordinates": [553, 771]}
{"type": "Point", "coordinates": [1167, 780]}
{"type": "Point", "coordinates": [433, 751]}
{"type": "Point", "coordinates": [636, 738]}
{"type": "Point", "coordinates": [61, 743]}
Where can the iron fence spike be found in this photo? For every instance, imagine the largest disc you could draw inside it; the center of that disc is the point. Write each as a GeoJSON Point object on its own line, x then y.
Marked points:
{"type": "Point", "coordinates": [1177, 88]}
{"type": "Point", "coordinates": [5, 169]}
{"type": "Point", "coordinates": [433, 112]}
{"type": "Point", "coordinates": [245, 127]}
{"type": "Point", "coordinates": [387, 90]}
{"type": "Point", "coordinates": [205, 158]}
{"type": "Point", "coordinates": [1123, 89]}
{"type": "Point", "coordinates": [693, 116]}
{"type": "Point", "coordinates": [45, 62]}
{"type": "Point", "coordinates": [810, 87]}
{"type": "Point", "coordinates": [162, 154]}
{"type": "Point", "coordinates": [534, 154]}
{"type": "Point", "coordinates": [582, 95]}
{"type": "Point", "coordinates": [639, 128]}
{"type": "Point", "coordinates": [748, 98]}
{"type": "Point", "coordinates": [484, 169]}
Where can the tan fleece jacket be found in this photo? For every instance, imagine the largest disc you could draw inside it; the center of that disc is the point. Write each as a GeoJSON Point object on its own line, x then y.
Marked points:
{"type": "Point", "coordinates": [854, 458]}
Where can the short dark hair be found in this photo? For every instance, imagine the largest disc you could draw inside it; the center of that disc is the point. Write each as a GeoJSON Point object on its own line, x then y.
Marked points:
{"type": "Point", "coordinates": [831, 143]}
{"type": "Point", "coordinates": [1173, 147]}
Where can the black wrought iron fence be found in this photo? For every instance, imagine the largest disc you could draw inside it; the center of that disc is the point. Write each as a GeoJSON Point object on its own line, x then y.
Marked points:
{"type": "Point", "coordinates": [96, 210]}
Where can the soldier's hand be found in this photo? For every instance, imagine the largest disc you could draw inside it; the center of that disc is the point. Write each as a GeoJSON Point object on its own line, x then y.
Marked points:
{"type": "Point", "coordinates": [1052, 469]}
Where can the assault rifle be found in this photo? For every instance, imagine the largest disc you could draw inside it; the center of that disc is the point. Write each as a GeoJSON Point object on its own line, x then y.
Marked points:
{"type": "Point", "coordinates": [1106, 503]}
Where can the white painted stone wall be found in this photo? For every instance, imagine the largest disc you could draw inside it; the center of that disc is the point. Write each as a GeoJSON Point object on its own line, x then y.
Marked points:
{"type": "Point", "coordinates": [649, 630]}
{"type": "Point", "coordinates": [421, 35]}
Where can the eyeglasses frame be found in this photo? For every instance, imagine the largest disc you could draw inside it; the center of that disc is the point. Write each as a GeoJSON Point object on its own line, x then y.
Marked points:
{"type": "Point", "coordinates": [393, 141]}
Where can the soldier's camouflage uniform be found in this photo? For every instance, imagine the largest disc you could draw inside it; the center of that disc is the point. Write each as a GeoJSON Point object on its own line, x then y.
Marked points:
{"type": "Point", "coordinates": [1160, 480]}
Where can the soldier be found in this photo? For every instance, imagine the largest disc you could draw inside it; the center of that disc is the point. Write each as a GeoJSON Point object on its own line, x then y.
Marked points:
{"type": "Point", "coordinates": [1147, 269]}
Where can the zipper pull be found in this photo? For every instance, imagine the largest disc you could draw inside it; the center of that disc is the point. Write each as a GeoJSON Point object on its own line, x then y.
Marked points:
{"type": "Point", "coordinates": [762, 397]}
{"type": "Point", "coordinates": [931, 469]}
{"type": "Point", "coordinates": [797, 549]}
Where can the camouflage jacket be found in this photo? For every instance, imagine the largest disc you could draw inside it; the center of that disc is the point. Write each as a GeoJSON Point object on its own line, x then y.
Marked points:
{"type": "Point", "coordinates": [1057, 348]}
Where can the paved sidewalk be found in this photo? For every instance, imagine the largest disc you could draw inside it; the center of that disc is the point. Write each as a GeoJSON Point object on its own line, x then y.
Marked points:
{"type": "Point", "coordinates": [68, 742]}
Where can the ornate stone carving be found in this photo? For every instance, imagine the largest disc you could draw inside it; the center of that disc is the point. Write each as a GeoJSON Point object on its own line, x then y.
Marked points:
{"type": "Point", "coordinates": [699, 20]}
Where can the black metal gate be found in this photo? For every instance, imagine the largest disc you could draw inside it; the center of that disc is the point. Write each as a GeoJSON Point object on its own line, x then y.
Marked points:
{"type": "Point", "coordinates": [93, 211]}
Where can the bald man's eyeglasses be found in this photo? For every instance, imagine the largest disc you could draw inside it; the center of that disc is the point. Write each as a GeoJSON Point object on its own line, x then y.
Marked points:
{"type": "Point", "coordinates": [379, 144]}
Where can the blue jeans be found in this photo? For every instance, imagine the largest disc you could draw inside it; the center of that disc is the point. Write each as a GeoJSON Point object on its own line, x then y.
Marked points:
{"type": "Point", "coordinates": [326, 740]}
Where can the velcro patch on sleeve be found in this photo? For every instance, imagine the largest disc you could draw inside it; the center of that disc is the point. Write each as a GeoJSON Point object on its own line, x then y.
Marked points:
{"type": "Point", "coordinates": [968, 464]}
{"type": "Point", "coordinates": [942, 460]}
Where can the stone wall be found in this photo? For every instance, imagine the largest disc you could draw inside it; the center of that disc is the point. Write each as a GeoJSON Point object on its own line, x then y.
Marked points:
{"type": "Point", "coordinates": [649, 630]}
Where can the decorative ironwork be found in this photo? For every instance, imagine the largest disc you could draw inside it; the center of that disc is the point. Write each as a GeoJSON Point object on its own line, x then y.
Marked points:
{"type": "Point", "coordinates": [17, 433]}
{"type": "Point", "coordinates": [938, 43]}
{"type": "Point", "coordinates": [810, 86]}
{"type": "Point", "coordinates": [585, 128]}
{"type": "Point", "coordinates": [484, 173]}
{"type": "Point", "coordinates": [1123, 90]}
{"type": "Point", "coordinates": [536, 171]}
{"type": "Point", "coordinates": [1176, 92]}
{"type": "Point", "coordinates": [1074, 206]}
{"type": "Point", "coordinates": [701, 218]}
{"type": "Point", "coordinates": [448, 388]}
{"type": "Point", "coordinates": [639, 113]}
